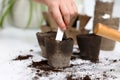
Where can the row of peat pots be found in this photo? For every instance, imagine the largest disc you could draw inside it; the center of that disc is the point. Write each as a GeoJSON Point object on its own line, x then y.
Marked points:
{"type": "Point", "coordinates": [59, 53]}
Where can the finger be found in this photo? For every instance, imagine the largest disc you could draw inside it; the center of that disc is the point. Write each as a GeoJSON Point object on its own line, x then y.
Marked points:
{"type": "Point", "coordinates": [55, 12]}
{"type": "Point", "coordinates": [70, 7]}
{"type": "Point", "coordinates": [65, 12]}
{"type": "Point", "coordinates": [74, 6]}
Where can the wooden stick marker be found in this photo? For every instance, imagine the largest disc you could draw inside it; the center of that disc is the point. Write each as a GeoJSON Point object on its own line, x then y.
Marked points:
{"type": "Point", "coordinates": [107, 32]}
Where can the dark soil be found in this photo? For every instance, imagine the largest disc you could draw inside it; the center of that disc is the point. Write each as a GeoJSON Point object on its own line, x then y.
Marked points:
{"type": "Point", "coordinates": [86, 78]}
{"type": "Point", "coordinates": [43, 65]}
{"type": "Point", "coordinates": [80, 78]}
{"type": "Point", "coordinates": [21, 57]}
{"type": "Point", "coordinates": [43, 69]}
{"type": "Point", "coordinates": [114, 61]}
{"type": "Point", "coordinates": [75, 56]}
{"type": "Point", "coordinates": [31, 50]}
{"type": "Point", "coordinates": [69, 77]}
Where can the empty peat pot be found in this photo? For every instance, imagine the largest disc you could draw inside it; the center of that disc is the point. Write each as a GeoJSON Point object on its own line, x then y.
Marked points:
{"type": "Point", "coordinates": [41, 40]}
{"type": "Point", "coordinates": [89, 45]}
{"type": "Point", "coordinates": [59, 53]}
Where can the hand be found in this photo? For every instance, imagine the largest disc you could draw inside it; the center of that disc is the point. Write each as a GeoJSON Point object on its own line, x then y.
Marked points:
{"type": "Point", "coordinates": [61, 10]}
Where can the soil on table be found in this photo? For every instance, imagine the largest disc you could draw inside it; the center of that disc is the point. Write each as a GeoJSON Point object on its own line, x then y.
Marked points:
{"type": "Point", "coordinates": [48, 69]}
{"type": "Point", "coordinates": [23, 57]}
{"type": "Point", "coordinates": [42, 69]}
{"type": "Point", "coordinates": [43, 65]}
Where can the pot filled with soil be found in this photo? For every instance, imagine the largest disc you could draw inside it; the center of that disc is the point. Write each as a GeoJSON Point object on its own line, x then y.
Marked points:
{"type": "Point", "coordinates": [89, 45]}
{"type": "Point", "coordinates": [41, 40]}
{"type": "Point", "coordinates": [59, 52]}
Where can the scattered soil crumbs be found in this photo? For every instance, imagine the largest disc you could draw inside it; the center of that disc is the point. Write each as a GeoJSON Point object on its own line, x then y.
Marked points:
{"type": "Point", "coordinates": [35, 78]}
{"type": "Point", "coordinates": [86, 78]}
{"type": "Point", "coordinates": [112, 69]}
{"type": "Point", "coordinates": [114, 61]}
{"type": "Point", "coordinates": [21, 57]}
{"type": "Point", "coordinates": [69, 77]}
{"type": "Point", "coordinates": [43, 69]}
{"type": "Point", "coordinates": [75, 56]}
{"type": "Point", "coordinates": [43, 65]}
{"type": "Point", "coordinates": [75, 53]}
{"type": "Point", "coordinates": [31, 50]}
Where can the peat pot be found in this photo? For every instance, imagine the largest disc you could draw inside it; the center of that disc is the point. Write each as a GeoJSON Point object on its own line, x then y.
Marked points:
{"type": "Point", "coordinates": [58, 52]}
{"type": "Point", "coordinates": [89, 45]}
{"type": "Point", "coordinates": [41, 40]}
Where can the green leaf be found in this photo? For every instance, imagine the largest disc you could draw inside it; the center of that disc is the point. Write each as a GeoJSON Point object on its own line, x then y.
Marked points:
{"type": "Point", "coordinates": [10, 4]}
{"type": "Point", "coordinates": [30, 15]}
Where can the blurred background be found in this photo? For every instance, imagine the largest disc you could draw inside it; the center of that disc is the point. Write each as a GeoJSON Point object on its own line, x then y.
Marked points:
{"type": "Point", "coordinates": [28, 14]}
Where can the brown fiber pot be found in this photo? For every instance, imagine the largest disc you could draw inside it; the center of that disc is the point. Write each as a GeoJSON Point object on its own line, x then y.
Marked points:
{"type": "Point", "coordinates": [41, 40]}
{"type": "Point", "coordinates": [102, 8]}
{"type": "Point", "coordinates": [59, 53]}
{"type": "Point", "coordinates": [89, 45]}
